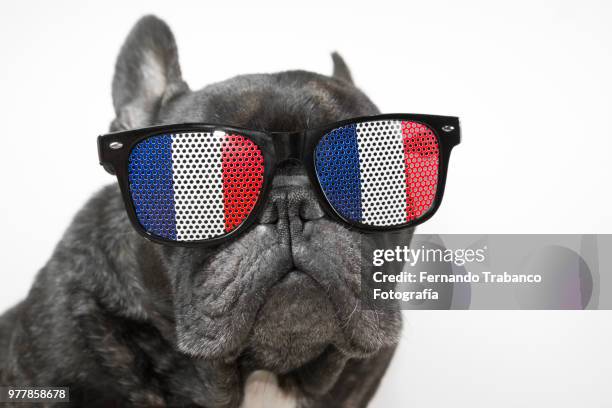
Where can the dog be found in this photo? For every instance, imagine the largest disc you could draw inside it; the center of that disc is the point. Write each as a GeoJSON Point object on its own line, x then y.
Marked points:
{"type": "Point", "coordinates": [123, 321]}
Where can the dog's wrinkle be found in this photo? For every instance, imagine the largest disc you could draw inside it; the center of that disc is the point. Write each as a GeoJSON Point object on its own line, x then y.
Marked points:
{"type": "Point", "coordinates": [223, 296]}
{"type": "Point", "coordinates": [340, 263]}
{"type": "Point", "coordinates": [290, 180]}
{"type": "Point", "coordinates": [222, 307]}
{"type": "Point", "coordinates": [237, 285]}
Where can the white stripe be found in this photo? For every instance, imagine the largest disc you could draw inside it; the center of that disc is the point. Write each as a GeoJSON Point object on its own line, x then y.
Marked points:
{"type": "Point", "coordinates": [383, 178]}
{"type": "Point", "coordinates": [198, 185]}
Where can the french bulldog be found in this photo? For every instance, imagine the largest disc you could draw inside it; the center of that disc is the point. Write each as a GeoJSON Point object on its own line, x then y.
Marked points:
{"type": "Point", "coordinates": [123, 321]}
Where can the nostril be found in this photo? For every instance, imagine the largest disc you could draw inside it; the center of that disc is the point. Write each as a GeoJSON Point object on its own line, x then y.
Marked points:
{"type": "Point", "coordinates": [287, 202]}
{"type": "Point", "coordinates": [303, 204]}
{"type": "Point", "coordinates": [310, 209]}
{"type": "Point", "coordinates": [274, 207]}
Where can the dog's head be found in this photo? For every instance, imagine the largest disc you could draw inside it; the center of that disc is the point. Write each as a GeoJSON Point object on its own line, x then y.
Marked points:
{"type": "Point", "coordinates": [287, 291]}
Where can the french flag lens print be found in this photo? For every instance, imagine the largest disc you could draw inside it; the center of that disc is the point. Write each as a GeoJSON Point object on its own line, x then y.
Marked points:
{"type": "Point", "coordinates": [194, 186]}
{"type": "Point", "coordinates": [379, 173]}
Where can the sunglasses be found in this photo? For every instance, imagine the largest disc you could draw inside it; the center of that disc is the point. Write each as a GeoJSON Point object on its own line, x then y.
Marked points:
{"type": "Point", "coordinates": [198, 184]}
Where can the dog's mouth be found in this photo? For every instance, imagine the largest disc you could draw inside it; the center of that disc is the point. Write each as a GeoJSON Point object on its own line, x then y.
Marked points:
{"type": "Point", "coordinates": [289, 331]}
{"type": "Point", "coordinates": [279, 306]}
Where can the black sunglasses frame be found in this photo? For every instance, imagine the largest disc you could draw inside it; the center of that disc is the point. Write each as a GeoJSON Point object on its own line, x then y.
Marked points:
{"type": "Point", "coordinates": [114, 150]}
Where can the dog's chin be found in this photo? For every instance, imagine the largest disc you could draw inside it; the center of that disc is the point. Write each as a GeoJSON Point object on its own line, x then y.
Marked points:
{"type": "Point", "coordinates": [294, 326]}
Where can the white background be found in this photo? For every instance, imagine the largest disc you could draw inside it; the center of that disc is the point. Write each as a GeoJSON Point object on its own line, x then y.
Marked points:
{"type": "Point", "coordinates": [531, 81]}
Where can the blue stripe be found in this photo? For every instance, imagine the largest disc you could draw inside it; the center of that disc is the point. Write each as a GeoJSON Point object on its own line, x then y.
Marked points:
{"type": "Point", "coordinates": [150, 176]}
{"type": "Point", "coordinates": [337, 166]}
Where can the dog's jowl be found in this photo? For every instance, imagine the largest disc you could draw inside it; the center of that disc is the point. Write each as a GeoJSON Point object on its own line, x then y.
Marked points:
{"type": "Point", "coordinates": [123, 321]}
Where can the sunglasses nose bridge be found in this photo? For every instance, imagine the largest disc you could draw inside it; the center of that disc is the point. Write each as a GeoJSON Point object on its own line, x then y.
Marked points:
{"type": "Point", "coordinates": [289, 145]}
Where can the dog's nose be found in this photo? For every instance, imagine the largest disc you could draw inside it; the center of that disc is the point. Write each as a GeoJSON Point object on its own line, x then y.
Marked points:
{"type": "Point", "coordinates": [291, 202]}
{"type": "Point", "coordinates": [291, 199]}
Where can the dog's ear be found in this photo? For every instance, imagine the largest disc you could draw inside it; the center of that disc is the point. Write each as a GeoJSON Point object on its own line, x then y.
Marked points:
{"type": "Point", "coordinates": [341, 70]}
{"type": "Point", "coordinates": [147, 74]}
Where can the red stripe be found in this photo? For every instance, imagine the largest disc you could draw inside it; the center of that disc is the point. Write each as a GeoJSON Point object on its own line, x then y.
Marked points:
{"type": "Point", "coordinates": [421, 158]}
{"type": "Point", "coordinates": [242, 163]}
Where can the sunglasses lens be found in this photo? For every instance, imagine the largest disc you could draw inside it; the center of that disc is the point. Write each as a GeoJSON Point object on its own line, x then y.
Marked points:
{"type": "Point", "coordinates": [379, 173]}
{"type": "Point", "coordinates": [194, 186]}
